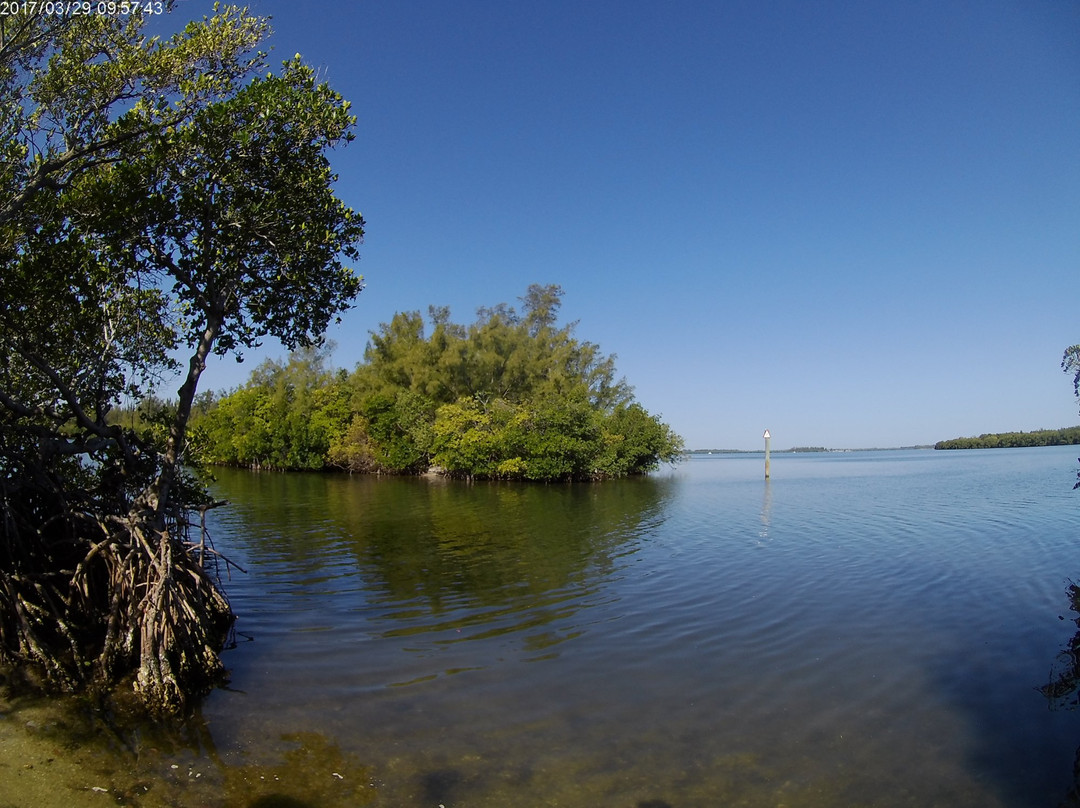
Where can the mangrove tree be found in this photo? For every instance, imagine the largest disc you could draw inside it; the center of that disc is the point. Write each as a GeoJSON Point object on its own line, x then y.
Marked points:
{"type": "Point", "coordinates": [156, 197]}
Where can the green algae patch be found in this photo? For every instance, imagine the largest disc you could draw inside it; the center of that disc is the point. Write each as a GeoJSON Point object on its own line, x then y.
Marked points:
{"type": "Point", "coordinates": [49, 758]}
{"type": "Point", "coordinates": [61, 753]}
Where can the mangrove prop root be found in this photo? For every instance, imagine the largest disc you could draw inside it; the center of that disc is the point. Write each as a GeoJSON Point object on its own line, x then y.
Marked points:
{"type": "Point", "coordinates": [129, 601]}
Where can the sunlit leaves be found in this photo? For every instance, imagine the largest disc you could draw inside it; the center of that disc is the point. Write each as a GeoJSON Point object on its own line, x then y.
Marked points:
{"type": "Point", "coordinates": [80, 91]}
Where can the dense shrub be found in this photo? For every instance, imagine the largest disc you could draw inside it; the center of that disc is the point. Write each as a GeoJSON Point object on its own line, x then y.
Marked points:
{"type": "Point", "coordinates": [510, 396]}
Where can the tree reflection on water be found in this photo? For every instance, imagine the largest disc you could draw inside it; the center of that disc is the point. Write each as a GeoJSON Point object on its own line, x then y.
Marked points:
{"type": "Point", "coordinates": [436, 558]}
{"type": "Point", "coordinates": [1063, 690]}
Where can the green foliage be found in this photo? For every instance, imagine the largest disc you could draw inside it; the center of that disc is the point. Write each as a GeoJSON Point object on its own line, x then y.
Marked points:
{"type": "Point", "coordinates": [637, 442]}
{"type": "Point", "coordinates": [508, 397]}
{"type": "Point", "coordinates": [1069, 436]}
{"type": "Point", "coordinates": [399, 430]}
{"type": "Point", "coordinates": [286, 418]}
{"type": "Point", "coordinates": [558, 439]}
{"type": "Point", "coordinates": [545, 441]}
{"type": "Point", "coordinates": [242, 216]}
{"type": "Point", "coordinates": [501, 355]}
{"type": "Point", "coordinates": [467, 438]}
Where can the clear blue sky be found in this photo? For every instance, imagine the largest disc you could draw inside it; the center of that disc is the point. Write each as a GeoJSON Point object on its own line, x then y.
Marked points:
{"type": "Point", "coordinates": [852, 223]}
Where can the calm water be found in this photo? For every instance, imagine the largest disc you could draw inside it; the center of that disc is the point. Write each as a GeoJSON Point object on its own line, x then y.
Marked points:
{"type": "Point", "coordinates": [864, 629]}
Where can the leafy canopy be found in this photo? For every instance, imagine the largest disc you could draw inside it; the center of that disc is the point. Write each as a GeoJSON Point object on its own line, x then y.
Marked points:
{"type": "Point", "coordinates": [511, 396]}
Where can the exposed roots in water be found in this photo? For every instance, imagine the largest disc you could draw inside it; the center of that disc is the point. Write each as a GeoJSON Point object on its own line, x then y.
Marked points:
{"type": "Point", "coordinates": [90, 602]}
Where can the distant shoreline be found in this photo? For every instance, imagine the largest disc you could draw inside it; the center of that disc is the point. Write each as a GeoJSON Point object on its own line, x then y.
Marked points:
{"type": "Point", "coordinates": [1066, 436]}
{"type": "Point", "coordinates": [805, 450]}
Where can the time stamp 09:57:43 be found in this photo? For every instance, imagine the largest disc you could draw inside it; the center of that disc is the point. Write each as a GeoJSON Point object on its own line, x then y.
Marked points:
{"type": "Point", "coordinates": [80, 8]}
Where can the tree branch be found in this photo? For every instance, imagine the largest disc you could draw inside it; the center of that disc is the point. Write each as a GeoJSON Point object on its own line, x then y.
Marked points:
{"type": "Point", "coordinates": [109, 433]}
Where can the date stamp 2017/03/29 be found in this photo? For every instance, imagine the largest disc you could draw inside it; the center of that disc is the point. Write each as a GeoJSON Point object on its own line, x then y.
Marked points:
{"type": "Point", "coordinates": [80, 8]}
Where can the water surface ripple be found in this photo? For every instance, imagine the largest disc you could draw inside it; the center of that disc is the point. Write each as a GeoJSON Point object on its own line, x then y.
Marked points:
{"type": "Point", "coordinates": [865, 628]}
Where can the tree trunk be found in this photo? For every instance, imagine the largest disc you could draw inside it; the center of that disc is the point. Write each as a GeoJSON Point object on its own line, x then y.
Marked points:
{"type": "Point", "coordinates": [159, 494]}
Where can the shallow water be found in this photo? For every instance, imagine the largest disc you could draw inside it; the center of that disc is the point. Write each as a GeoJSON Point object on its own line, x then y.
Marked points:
{"type": "Point", "coordinates": [866, 628]}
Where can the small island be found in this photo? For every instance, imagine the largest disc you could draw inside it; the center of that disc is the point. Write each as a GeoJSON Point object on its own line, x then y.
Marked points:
{"type": "Point", "coordinates": [513, 396]}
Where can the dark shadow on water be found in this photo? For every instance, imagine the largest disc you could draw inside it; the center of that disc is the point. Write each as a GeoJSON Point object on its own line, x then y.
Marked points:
{"type": "Point", "coordinates": [1072, 798]}
{"type": "Point", "coordinates": [439, 786]}
{"type": "Point", "coordinates": [1019, 743]}
{"type": "Point", "coordinates": [654, 804]}
{"type": "Point", "coordinates": [1023, 734]}
{"type": "Point", "coordinates": [1062, 692]}
{"type": "Point", "coordinates": [280, 801]}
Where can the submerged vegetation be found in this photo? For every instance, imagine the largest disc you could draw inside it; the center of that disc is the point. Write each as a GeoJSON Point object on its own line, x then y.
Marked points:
{"type": "Point", "coordinates": [155, 196]}
{"type": "Point", "coordinates": [511, 396]}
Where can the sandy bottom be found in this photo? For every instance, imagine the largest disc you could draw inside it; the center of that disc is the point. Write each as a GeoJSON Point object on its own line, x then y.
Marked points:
{"type": "Point", "coordinates": [61, 753]}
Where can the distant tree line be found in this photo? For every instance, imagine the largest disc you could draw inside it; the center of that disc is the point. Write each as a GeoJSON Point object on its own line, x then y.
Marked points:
{"type": "Point", "coordinates": [1068, 436]}
{"type": "Point", "coordinates": [511, 396]}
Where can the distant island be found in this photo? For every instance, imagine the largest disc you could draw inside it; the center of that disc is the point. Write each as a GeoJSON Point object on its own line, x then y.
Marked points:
{"type": "Point", "coordinates": [1069, 436]}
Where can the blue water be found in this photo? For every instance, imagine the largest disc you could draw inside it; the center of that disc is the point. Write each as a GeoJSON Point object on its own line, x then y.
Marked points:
{"type": "Point", "coordinates": [865, 628]}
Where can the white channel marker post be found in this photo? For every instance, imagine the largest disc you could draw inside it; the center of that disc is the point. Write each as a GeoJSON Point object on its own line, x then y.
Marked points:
{"type": "Point", "coordinates": [767, 436]}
